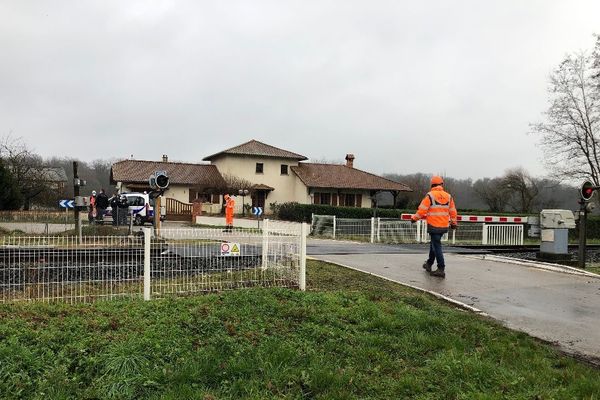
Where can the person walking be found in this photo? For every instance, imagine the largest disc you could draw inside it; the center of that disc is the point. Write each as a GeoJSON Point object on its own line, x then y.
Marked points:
{"type": "Point", "coordinates": [229, 205]}
{"type": "Point", "coordinates": [123, 209]}
{"type": "Point", "coordinates": [114, 205]}
{"type": "Point", "coordinates": [439, 210]}
{"type": "Point", "coordinates": [101, 206]}
{"type": "Point", "coordinates": [92, 213]}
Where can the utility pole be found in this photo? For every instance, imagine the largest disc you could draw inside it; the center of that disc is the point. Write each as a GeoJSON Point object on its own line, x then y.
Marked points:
{"type": "Point", "coordinates": [582, 233]}
{"type": "Point", "coordinates": [76, 186]}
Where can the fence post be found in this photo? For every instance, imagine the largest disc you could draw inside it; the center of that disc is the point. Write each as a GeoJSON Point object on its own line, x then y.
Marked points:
{"type": "Point", "coordinates": [147, 233]}
{"type": "Point", "coordinates": [522, 233]}
{"type": "Point", "coordinates": [265, 244]}
{"type": "Point", "coordinates": [418, 231]}
{"type": "Point", "coordinates": [334, 226]}
{"type": "Point", "coordinates": [302, 278]}
{"type": "Point", "coordinates": [378, 229]}
{"type": "Point", "coordinates": [484, 234]}
{"type": "Point", "coordinates": [372, 229]}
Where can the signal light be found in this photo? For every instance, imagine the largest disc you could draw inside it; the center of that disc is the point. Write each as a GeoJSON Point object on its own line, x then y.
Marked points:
{"type": "Point", "coordinates": [162, 181]}
{"type": "Point", "coordinates": [587, 190]}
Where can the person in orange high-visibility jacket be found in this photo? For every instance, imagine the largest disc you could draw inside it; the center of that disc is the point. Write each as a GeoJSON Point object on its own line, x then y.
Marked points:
{"type": "Point", "coordinates": [229, 205]}
{"type": "Point", "coordinates": [438, 209]}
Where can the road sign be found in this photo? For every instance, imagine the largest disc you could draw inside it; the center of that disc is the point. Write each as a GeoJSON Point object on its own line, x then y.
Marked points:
{"type": "Point", "coordinates": [66, 203]}
{"type": "Point", "coordinates": [230, 249]}
{"type": "Point", "coordinates": [257, 211]}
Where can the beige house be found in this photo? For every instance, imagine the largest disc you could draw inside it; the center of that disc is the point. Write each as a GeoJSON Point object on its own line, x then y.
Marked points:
{"type": "Point", "coordinates": [264, 174]}
{"type": "Point", "coordinates": [276, 176]}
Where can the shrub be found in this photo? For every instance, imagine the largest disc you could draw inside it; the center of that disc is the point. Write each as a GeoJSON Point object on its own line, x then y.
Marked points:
{"type": "Point", "coordinates": [303, 212]}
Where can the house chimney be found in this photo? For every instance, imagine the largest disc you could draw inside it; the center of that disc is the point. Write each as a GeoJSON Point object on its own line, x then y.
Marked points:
{"type": "Point", "coordinates": [350, 160]}
{"type": "Point", "coordinates": [165, 158]}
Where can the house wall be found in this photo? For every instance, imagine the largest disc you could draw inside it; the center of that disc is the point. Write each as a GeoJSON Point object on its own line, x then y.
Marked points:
{"type": "Point", "coordinates": [244, 167]}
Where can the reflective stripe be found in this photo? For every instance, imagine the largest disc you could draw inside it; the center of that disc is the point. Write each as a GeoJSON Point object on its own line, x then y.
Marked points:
{"type": "Point", "coordinates": [438, 214]}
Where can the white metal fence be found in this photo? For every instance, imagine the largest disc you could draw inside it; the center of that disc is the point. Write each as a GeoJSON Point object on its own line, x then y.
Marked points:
{"type": "Point", "coordinates": [393, 230]}
{"type": "Point", "coordinates": [179, 262]}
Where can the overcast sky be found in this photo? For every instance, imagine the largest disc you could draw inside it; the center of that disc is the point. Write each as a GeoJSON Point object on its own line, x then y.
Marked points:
{"type": "Point", "coordinates": [407, 86]}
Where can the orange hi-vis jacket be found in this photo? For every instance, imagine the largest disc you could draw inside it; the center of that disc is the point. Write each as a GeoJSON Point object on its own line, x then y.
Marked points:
{"type": "Point", "coordinates": [438, 208]}
{"type": "Point", "coordinates": [229, 205]}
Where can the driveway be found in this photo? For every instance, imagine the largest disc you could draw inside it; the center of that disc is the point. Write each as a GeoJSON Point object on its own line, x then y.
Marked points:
{"type": "Point", "coordinates": [554, 306]}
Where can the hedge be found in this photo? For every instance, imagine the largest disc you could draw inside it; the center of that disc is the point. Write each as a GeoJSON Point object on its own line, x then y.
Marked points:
{"type": "Point", "coordinates": [303, 212]}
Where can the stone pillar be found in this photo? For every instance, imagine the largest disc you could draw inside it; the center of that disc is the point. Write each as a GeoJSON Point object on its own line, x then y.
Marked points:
{"type": "Point", "coordinates": [196, 210]}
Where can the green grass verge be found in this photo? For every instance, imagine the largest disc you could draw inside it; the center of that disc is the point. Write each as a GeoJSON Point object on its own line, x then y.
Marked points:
{"type": "Point", "coordinates": [351, 336]}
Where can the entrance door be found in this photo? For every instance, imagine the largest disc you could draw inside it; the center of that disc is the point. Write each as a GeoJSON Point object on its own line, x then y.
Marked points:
{"type": "Point", "coordinates": [258, 200]}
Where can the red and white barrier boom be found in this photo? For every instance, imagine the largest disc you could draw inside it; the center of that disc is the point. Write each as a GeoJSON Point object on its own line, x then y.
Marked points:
{"type": "Point", "coordinates": [481, 218]}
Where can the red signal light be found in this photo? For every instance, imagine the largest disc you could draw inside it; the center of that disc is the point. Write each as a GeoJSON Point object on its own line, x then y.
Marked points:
{"type": "Point", "coordinates": [587, 190]}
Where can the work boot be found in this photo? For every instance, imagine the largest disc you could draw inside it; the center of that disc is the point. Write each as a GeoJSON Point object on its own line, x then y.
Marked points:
{"type": "Point", "coordinates": [440, 273]}
{"type": "Point", "coordinates": [427, 266]}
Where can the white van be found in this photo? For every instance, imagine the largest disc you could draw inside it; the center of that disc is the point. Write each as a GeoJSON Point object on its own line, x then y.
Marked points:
{"type": "Point", "coordinates": [141, 207]}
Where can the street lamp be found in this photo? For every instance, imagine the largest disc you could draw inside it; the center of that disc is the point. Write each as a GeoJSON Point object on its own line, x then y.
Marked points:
{"type": "Point", "coordinates": [243, 193]}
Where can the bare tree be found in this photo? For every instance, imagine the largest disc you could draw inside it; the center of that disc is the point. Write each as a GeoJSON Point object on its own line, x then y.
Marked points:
{"type": "Point", "coordinates": [570, 135]}
{"type": "Point", "coordinates": [26, 168]}
{"type": "Point", "coordinates": [491, 192]}
{"type": "Point", "coordinates": [235, 183]}
{"type": "Point", "coordinates": [522, 190]}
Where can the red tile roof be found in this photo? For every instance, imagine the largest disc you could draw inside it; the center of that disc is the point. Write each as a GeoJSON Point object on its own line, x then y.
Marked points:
{"type": "Point", "coordinates": [256, 148]}
{"type": "Point", "coordinates": [138, 171]}
{"type": "Point", "coordinates": [342, 177]}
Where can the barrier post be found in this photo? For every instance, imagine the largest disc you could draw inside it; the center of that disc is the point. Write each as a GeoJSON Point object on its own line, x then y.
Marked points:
{"type": "Point", "coordinates": [484, 234]}
{"type": "Point", "coordinates": [378, 230]}
{"type": "Point", "coordinates": [418, 231]}
{"type": "Point", "coordinates": [265, 244]}
{"type": "Point", "coordinates": [302, 278]}
{"type": "Point", "coordinates": [372, 229]}
{"type": "Point", "coordinates": [334, 226]}
{"type": "Point", "coordinates": [147, 233]}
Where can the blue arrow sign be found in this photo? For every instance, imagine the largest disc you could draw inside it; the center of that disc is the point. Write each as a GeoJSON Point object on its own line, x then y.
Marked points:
{"type": "Point", "coordinates": [66, 203]}
{"type": "Point", "coordinates": [257, 211]}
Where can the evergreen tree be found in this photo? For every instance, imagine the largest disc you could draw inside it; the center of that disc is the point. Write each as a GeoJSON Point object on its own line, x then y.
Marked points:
{"type": "Point", "coordinates": [10, 196]}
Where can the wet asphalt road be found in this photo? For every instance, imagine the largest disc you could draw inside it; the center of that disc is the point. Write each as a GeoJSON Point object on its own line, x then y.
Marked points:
{"type": "Point", "coordinates": [554, 306]}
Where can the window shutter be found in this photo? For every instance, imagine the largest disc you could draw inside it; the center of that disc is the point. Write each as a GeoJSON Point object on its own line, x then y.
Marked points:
{"type": "Point", "coordinates": [334, 200]}
{"type": "Point", "coordinates": [192, 196]}
{"type": "Point", "coordinates": [342, 199]}
{"type": "Point", "coordinates": [359, 200]}
{"type": "Point", "coordinates": [317, 198]}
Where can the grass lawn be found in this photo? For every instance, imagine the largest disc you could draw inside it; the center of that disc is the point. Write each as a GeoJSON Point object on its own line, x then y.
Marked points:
{"type": "Point", "coordinates": [350, 336]}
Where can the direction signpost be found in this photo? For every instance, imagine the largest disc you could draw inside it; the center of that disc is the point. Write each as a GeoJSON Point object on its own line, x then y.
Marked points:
{"type": "Point", "coordinates": [66, 204]}
{"type": "Point", "coordinates": [258, 212]}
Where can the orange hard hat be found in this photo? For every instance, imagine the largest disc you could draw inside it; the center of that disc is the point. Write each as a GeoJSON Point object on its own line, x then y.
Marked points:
{"type": "Point", "coordinates": [437, 180]}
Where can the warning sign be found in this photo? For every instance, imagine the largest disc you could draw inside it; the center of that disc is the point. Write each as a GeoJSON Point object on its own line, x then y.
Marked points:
{"type": "Point", "coordinates": [230, 249]}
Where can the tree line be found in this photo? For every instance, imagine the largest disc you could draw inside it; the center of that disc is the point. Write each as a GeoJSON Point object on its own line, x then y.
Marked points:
{"type": "Point", "coordinates": [29, 181]}
{"type": "Point", "coordinates": [516, 191]}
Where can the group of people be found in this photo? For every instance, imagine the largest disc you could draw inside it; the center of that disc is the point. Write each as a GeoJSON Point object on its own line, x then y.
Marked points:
{"type": "Point", "coordinates": [99, 202]}
{"type": "Point", "coordinates": [98, 205]}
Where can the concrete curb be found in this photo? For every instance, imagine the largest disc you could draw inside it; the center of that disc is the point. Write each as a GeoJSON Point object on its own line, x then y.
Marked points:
{"type": "Point", "coordinates": [435, 294]}
{"type": "Point", "coordinates": [535, 264]}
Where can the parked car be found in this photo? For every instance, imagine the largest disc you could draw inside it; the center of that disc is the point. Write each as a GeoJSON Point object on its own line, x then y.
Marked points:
{"type": "Point", "coordinates": [141, 207]}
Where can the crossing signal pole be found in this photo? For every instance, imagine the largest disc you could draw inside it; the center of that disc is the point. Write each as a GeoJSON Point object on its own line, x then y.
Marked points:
{"type": "Point", "coordinates": [586, 192]}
